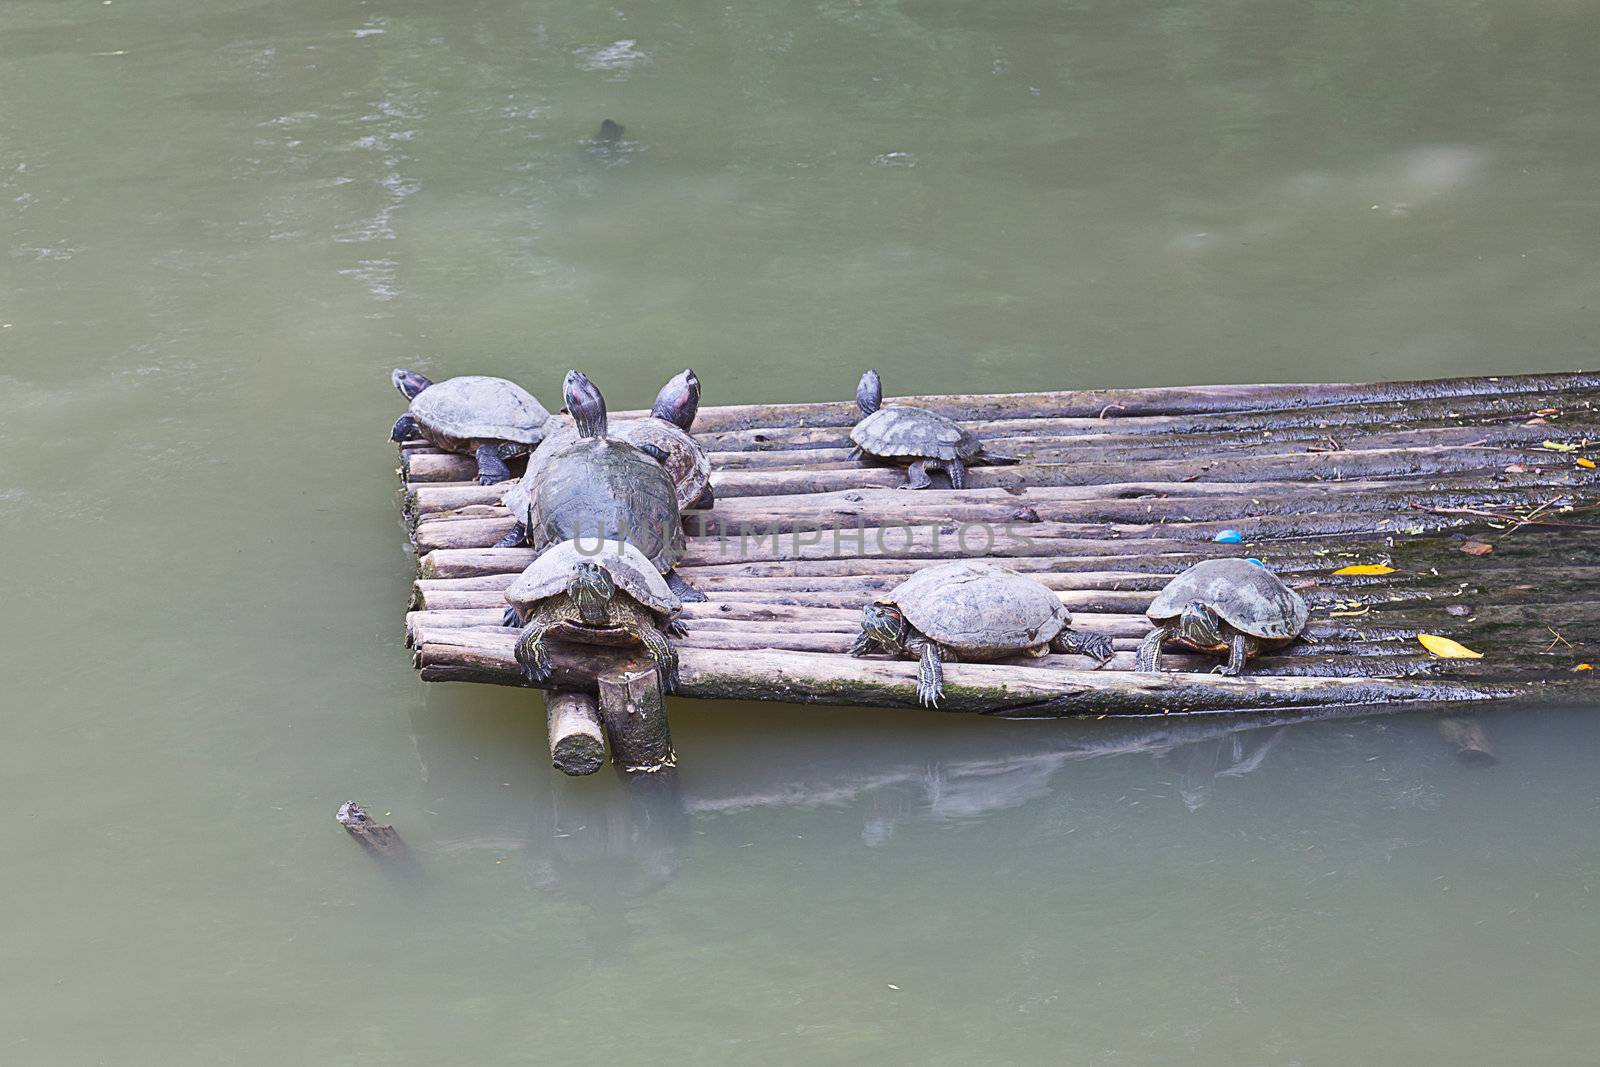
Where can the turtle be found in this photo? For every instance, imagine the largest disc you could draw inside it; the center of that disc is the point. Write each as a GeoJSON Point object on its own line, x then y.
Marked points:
{"type": "Point", "coordinates": [1234, 605]}
{"type": "Point", "coordinates": [490, 419]}
{"type": "Point", "coordinates": [915, 438]}
{"type": "Point", "coordinates": [604, 592]}
{"type": "Point", "coordinates": [600, 488]}
{"type": "Point", "coordinates": [663, 435]}
{"type": "Point", "coordinates": [972, 611]}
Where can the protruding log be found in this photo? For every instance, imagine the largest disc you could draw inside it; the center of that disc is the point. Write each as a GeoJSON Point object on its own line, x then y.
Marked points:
{"type": "Point", "coordinates": [635, 718]}
{"type": "Point", "coordinates": [382, 842]}
{"type": "Point", "coordinates": [1465, 734]}
{"type": "Point", "coordinates": [577, 742]}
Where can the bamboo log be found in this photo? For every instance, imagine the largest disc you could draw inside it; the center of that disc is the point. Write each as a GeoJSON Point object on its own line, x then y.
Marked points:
{"type": "Point", "coordinates": [577, 742]}
{"type": "Point", "coordinates": [1021, 517]}
{"type": "Point", "coordinates": [635, 718]}
{"type": "Point", "coordinates": [1349, 465]}
{"type": "Point", "coordinates": [471, 655]}
{"type": "Point", "coordinates": [1090, 440]}
{"type": "Point", "coordinates": [1172, 400]}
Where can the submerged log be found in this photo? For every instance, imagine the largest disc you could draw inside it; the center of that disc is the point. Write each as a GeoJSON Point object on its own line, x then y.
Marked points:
{"type": "Point", "coordinates": [379, 841]}
{"type": "Point", "coordinates": [635, 718]}
{"type": "Point", "coordinates": [577, 742]}
{"type": "Point", "coordinates": [1465, 734]}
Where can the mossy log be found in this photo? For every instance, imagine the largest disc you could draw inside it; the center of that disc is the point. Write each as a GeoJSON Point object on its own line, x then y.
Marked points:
{"type": "Point", "coordinates": [577, 740]}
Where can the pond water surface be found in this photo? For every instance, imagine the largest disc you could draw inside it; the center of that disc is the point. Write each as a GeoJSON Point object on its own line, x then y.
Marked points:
{"type": "Point", "coordinates": [222, 224]}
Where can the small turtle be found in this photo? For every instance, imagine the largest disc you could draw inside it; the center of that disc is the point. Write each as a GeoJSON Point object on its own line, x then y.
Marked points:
{"type": "Point", "coordinates": [915, 438]}
{"type": "Point", "coordinates": [490, 419]}
{"type": "Point", "coordinates": [664, 436]}
{"type": "Point", "coordinates": [610, 132]}
{"type": "Point", "coordinates": [1223, 605]}
{"type": "Point", "coordinates": [600, 488]}
{"type": "Point", "coordinates": [972, 611]}
{"type": "Point", "coordinates": [572, 592]}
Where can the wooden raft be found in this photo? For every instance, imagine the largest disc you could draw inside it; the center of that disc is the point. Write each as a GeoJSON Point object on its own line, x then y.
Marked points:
{"type": "Point", "coordinates": [1118, 491]}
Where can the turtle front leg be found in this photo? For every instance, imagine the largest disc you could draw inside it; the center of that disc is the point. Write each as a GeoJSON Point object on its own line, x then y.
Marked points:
{"type": "Point", "coordinates": [1096, 646]}
{"type": "Point", "coordinates": [530, 651]}
{"type": "Point", "coordinates": [676, 628]}
{"type": "Point", "coordinates": [682, 589]}
{"type": "Point", "coordinates": [662, 653]}
{"type": "Point", "coordinates": [917, 475]}
{"type": "Point", "coordinates": [930, 676]}
{"type": "Point", "coordinates": [511, 616]}
{"type": "Point", "coordinates": [999, 459]}
{"type": "Point", "coordinates": [491, 468]}
{"type": "Point", "coordinates": [957, 471]}
{"type": "Point", "coordinates": [514, 539]}
{"type": "Point", "coordinates": [405, 429]}
{"type": "Point", "coordinates": [1148, 659]}
{"type": "Point", "coordinates": [1239, 649]}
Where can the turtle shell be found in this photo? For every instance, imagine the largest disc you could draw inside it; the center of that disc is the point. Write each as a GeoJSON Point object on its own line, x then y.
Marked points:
{"type": "Point", "coordinates": [1248, 596]}
{"type": "Point", "coordinates": [600, 488]}
{"type": "Point", "coordinates": [896, 430]}
{"type": "Point", "coordinates": [687, 463]}
{"type": "Point", "coordinates": [547, 576]}
{"type": "Point", "coordinates": [978, 607]}
{"type": "Point", "coordinates": [476, 408]}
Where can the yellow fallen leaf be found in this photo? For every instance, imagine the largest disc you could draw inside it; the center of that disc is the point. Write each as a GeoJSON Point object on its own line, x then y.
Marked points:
{"type": "Point", "coordinates": [1584, 667]}
{"type": "Point", "coordinates": [1587, 464]}
{"type": "Point", "coordinates": [1347, 614]}
{"type": "Point", "coordinates": [1559, 446]}
{"type": "Point", "coordinates": [1365, 568]}
{"type": "Point", "coordinates": [1445, 648]}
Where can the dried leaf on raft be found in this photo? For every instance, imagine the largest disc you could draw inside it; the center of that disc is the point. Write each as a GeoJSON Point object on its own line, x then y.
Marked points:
{"type": "Point", "coordinates": [1365, 568]}
{"type": "Point", "coordinates": [1476, 548]}
{"type": "Point", "coordinates": [1586, 464]}
{"type": "Point", "coordinates": [1584, 667]}
{"type": "Point", "coordinates": [1560, 446]}
{"type": "Point", "coordinates": [1445, 648]}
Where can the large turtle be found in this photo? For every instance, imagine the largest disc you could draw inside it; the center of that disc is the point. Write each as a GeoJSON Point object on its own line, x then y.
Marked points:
{"type": "Point", "coordinates": [605, 592]}
{"type": "Point", "coordinates": [490, 419]}
{"type": "Point", "coordinates": [600, 488]}
{"type": "Point", "coordinates": [1235, 606]}
{"type": "Point", "coordinates": [915, 438]}
{"type": "Point", "coordinates": [973, 611]}
{"type": "Point", "coordinates": [663, 435]}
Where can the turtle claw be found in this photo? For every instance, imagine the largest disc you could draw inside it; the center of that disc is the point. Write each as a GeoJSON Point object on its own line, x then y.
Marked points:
{"type": "Point", "coordinates": [511, 617]}
{"type": "Point", "coordinates": [676, 628]}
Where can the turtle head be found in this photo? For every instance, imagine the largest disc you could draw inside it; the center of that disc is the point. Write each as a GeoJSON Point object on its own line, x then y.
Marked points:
{"type": "Point", "coordinates": [610, 131]}
{"type": "Point", "coordinates": [585, 404]}
{"type": "Point", "coordinates": [409, 382]}
{"type": "Point", "coordinates": [679, 400]}
{"type": "Point", "coordinates": [591, 588]}
{"type": "Point", "coordinates": [1200, 626]}
{"type": "Point", "coordinates": [869, 393]}
{"type": "Point", "coordinates": [884, 624]}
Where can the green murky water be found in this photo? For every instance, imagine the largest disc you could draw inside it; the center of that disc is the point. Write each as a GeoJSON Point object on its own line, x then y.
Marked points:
{"type": "Point", "coordinates": [221, 224]}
